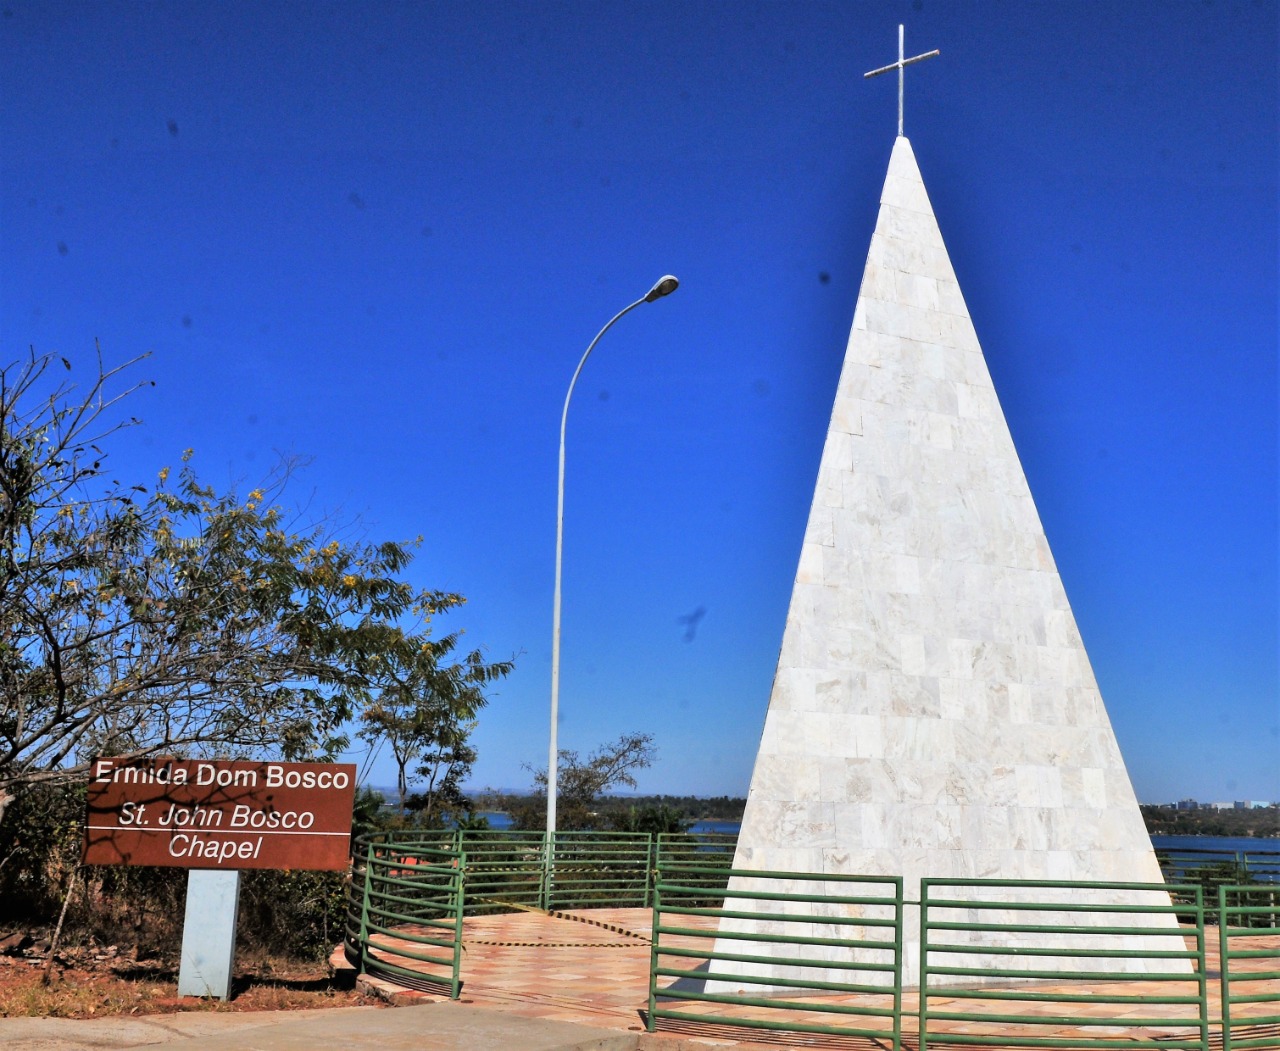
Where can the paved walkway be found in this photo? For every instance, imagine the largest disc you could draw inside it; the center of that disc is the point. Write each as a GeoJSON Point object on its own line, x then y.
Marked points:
{"type": "Point", "coordinates": [539, 983]}
{"type": "Point", "coordinates": [592, 969]}
{"type": "Point", "coordinates": [427, 1027]}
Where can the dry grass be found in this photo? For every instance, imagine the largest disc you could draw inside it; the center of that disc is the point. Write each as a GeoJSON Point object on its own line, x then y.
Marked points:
{"type": "Point", "coordinates": [76, 995]}
{"type": "Point", "coordinates": [102, 989]}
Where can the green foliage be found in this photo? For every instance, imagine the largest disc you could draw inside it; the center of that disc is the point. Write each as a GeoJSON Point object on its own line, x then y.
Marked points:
{"type": "Point", "coordinates": [611, 810]}
{"type": "Point", "coordinates": [180, 620]}
{"type": "Point", "coordinates": [1258, 821]}
{"type": "Point", "coordinates": [366, 812]}
{"type": "Point", "coordinates": [443, 770]}
{"type": "Point", "coordinates": [425, 712]}
{"type": "Point", "coordinates": [40, 838]}
{"type": "Point", "coordinates": [650, 819]}
{"type": "Point", "coordinates": [298, 915]}
{"type": "Point", "coordinates": [40, 841]}
{"type": "Point", "coordinates": [470, 821]}
{"type": "Point", "coordinates": [293, 914]}
{"type": "Point", "coordinates": [581, 782]}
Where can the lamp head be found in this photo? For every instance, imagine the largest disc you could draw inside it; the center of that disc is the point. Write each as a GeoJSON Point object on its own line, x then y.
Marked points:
{"type": "Point", "coordinates": [665, 286]}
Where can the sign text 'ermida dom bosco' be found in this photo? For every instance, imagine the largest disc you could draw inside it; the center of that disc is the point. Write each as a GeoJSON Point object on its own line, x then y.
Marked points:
{"type": "Point", "coordinates": [216, 814]}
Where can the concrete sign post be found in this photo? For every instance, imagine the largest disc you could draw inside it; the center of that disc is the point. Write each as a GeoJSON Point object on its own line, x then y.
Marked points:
{"type": "Point", "coordinates": [209, 933]}
{"type": "Point", "coordinates": [216, 818]}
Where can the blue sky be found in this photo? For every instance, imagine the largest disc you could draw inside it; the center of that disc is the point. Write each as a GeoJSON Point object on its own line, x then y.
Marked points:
{"type": "Point", "coordinates": [381, 235]}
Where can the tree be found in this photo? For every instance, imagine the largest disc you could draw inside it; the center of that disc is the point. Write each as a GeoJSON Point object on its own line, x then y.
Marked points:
{"type": "Point", "coordinates": [425, 712]}
{"type": "Point", "coordinates": [580, 783]}
{"type": "Point", "coordinates": [178, 620]}
{"type": "Point", "coordinates": [442, 770]}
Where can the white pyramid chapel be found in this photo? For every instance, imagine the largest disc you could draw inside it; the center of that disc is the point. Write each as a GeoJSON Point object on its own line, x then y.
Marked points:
{"type": "Point", "coordinates": [933, 712]}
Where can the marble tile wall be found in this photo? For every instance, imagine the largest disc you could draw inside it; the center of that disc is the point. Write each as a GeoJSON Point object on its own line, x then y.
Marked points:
{"type": "Point", "coordinates": [934, 712]}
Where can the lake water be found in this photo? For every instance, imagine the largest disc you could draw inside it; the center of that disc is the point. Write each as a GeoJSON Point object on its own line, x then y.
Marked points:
{"type": "Point", "coordinates": [499, 819]}
{"type": "Point", "coordinates": [1235, 844]}
{"type": "Point", "coordinates": [730, 827]}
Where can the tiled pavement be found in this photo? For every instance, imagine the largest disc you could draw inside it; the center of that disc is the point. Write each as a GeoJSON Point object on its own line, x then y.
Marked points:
{"type": "Point", "coordinates": [593, 969]}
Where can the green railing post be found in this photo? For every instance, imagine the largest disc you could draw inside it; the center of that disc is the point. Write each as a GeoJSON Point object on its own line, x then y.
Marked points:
{"type": "Point", "coordinates": [1224, 967]}
{"type": "Point", "coordinates": [1202, 975]}
{"type": "Point", "coordinates": [459, 892]}
{"type": "Point", "coordinates": [922, 983]}
{"type": "Point", "coordinates": [651, 868]}
{"type": "Point", "coordinates": [649, 1020]}
{"type": "Point", "coordinates": [898, 909]}
{"type": "Point", "coordinates": [364, 909]}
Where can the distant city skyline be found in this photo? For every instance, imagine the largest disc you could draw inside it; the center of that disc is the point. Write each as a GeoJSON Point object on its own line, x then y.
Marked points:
{"type": "Point", "coordinates": [382, 242]}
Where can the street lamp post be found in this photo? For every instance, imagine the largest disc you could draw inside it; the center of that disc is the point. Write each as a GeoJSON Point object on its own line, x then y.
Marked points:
{"type": "Point", "coordinates": [665, 286]}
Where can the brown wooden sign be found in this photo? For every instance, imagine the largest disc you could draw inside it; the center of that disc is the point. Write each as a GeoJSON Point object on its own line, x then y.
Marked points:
{"type": "Point", "coordinates": [216, 814]}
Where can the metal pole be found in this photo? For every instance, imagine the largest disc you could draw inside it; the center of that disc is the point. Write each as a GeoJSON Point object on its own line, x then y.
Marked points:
{"type": "Point", "coordinates": [664, 286]}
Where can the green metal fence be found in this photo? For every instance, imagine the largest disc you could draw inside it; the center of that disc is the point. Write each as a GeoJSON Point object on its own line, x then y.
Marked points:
{"type": "Point", "coordinates": [504, 870]}
{"type": "Point", "coordinates": [410, 891]}
{"type": "Point", "coordinates": [509, 869]}
{"type": "Point", "coordinates": [404, 913]}
{"type": "Point", "coordinates": [1262, 866]}
{"type": "Point", "coordinates": [707, 856]}
{"type": "Point", "coordinates": [1183, 864]}
{"type": "Point", "coordinates": [600, 869]}
{"type": "Point", "coordinates": [702, 848]}
{"type": "Point", "coordinates": [1040, 944]}
{"type": "Point", "coordinates": [842, 936]}
{"type": "Point", "coordinates": [1211, 869]}
{"type": "Point", "coordinates": [1249, 934]}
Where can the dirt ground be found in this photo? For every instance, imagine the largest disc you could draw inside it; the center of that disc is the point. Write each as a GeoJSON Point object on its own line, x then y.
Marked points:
{"type": "Point", "coordinates": [97, 981]}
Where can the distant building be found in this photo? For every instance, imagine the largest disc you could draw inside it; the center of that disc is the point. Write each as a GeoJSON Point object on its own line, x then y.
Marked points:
{"type": "Point", "coordinates": [1187, 804]}
{"type": "Point", "coordinates": [1250, 804]}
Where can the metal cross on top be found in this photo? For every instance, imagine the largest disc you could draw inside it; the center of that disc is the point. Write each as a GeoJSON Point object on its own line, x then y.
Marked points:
{"type": "Point", "coordinates": [900, 65]}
